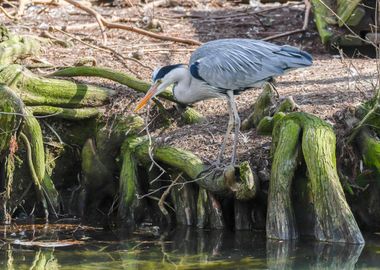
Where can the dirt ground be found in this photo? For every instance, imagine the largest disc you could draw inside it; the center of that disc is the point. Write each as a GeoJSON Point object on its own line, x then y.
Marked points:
{"type": "Point", "coordinates": [330, 85]}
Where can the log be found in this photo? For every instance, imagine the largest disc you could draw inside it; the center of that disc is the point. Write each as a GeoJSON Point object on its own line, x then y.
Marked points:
{"type": "Point", "coordinates": [266, 125]}
{"type": "Point", "coordinates": [189, 115]}
{"type": "Point", "coordinates": [185, 205]}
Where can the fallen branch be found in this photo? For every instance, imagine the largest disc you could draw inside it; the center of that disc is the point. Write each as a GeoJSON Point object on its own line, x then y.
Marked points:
{"type": "Point", "coordinates": [7, 14]}
{"type": "Point", "coordinates": [97, 16]}
{"type": "Point", "coordinates": [303, 29]}
{"type": "Point", "coordinates": [105, 23]}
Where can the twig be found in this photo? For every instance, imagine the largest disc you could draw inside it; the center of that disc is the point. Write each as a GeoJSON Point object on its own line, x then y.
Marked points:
{"type": "Point", "coordinates": [303, 29]}
{"type": "Point", "coordinates": [89, 26]}
{"type": "Point", "coordinates": [104, 48]}
{"type": "Point", "coordinates": [157, 3]}
{"type": "Point", "coordinates": [242, 14]}
{"type": "Point", "coordinates": [110, 25]}
{"type": "Point", "coordinates": [163, 198]}
{"type": "Point", "coordinates": [21, 7]}
{"type": "Point", "coordinates": [97, 16]}
{"type": "Point", "coordinates": [7, 14]}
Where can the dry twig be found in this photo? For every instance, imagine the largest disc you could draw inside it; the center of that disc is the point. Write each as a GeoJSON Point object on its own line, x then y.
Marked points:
{"type": "Point", "coordinates": [7, 14]}
{"type": "Point", "coordinates": [110, 25]}
{"type": "Point", "coordinates": [165, 195]}
{"type": "Point", "coordinates": [303, 29]}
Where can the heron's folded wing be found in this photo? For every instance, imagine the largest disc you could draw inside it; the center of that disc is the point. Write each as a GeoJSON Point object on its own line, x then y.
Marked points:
{"type": "Point", "coordinates": [242, 63]}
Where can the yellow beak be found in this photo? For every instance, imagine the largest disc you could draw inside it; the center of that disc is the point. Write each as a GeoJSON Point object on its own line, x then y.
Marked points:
{"type": "Point", "coordinates": [151, 93]}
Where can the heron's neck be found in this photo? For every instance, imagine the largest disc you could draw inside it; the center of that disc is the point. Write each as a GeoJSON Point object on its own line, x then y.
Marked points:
{"type": "Point", "coordinates": [182, 87]}
{"type": "Point", "coordinates": [190, 90]}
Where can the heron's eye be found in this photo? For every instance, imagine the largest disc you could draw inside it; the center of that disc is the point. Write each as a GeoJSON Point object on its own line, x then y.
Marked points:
{"type": "Point", "coordinates": [159, 81]}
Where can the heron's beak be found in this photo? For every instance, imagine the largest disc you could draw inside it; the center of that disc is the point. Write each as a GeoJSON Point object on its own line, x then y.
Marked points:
{"type": "Point", "coordinates": [150, 94]}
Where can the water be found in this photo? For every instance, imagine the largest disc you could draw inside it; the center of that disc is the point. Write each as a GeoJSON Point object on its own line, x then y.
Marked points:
{"type": "Point", "coordinates": [70, 246]}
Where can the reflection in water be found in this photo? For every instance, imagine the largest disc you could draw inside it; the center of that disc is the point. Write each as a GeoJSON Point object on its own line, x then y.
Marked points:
{"type": "Point", "coordinates": [312, 255]}
{"type": "Point", "coordinates": [336, 256]}
{"type": "Point", "coordinates": [280, 254]}
{"type": "Point", "coordinates": [181, 249]}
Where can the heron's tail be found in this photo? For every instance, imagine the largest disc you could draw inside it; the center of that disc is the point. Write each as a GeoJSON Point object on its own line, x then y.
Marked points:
{"type": "Point", "coordinates": [295, 58]}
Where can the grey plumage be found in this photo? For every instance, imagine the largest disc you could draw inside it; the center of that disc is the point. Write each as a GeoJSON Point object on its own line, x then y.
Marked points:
{"type": "Point", "coordinates": [223, 67]}
{"type": "Point", "coordinates": [237, 64]}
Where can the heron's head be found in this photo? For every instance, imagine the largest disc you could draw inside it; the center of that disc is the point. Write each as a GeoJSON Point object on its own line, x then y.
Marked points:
{"type": "Point", "coordinates": [162, 78]}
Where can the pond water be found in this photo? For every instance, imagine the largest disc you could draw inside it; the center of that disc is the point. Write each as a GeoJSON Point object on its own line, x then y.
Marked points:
{"type": "Point", "coordinates": [71, 246]}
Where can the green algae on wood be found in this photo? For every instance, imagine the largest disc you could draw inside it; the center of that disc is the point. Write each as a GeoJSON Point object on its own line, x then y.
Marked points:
{"type": "Point", "coordinates": [33, 133]}
{"type": "Point", "coordinates": [369, 147]}
{"type": "Point", "coordinates": [217, 181]}
{"type": "Point", "coordinates": [129, 204]}
{"type": "Point", "coordinates": [334, 221]}
{"type": "Point", "coordinates": [11, 108]}
{"type": "Point", "coordinates": [16, 47]}
{"type": "Point", "coordinates": [35, 90]}
{"type": "Point", "coordinates": [107, 73]}
{"type": "Point", "coordinates": [323, 18]}
{"type": "Point", "coordinates": [345, 10]}
{"type": "Point", "coordinates": [281, 222]}
{"type": "Point", "coordinates": [65, 113]}
{"type": "Point", "coordinates": [262, 107]}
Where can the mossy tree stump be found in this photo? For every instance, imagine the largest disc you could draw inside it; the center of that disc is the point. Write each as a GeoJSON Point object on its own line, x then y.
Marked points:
{"type": "Point", "coordinates": [333, 218]}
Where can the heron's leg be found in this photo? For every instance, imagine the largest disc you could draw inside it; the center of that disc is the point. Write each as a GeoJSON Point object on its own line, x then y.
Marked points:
{"type": "Point", "coordinates": [229, 128]}
{"type": "Point", "coordinates": [236, 125]}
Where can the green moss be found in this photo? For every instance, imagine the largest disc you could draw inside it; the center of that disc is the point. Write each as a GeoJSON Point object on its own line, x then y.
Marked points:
{"type": "Point", "coordinates": [280, 216]}
{"type": "Point", "coordinates": [370, 150]}
{"type": "Point", "coordinates": [323, 18]}
{"type": "Point", "coordinates": [117, 76]}
{"type": "Point", "coordinates": [65, 113]}
{"type": "Point", "coordinates": [10, 107]}
{"type": "Point", "coordinates": [34, 90]}
{"type": "Point", "coordinates": [261, 108]}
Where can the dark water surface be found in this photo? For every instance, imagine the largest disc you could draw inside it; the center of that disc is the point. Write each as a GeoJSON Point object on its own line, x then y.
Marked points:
{"type": "Point", "coordinates": [71, 246]}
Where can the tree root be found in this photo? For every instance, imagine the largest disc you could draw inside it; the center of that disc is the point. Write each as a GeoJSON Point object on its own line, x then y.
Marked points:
{"type": "Point", "coordinates": [333, 218]}
{"type": "Point", "coordinates": [238, 182]}
{"type": "Point", "coordinates": [265, 107]}
{"type": "Point", "coordinates": [11, 108]}
{"type": "Point", "coordinates": [34, 90]}
{"type": "Point", "coordinates": [107, 73]}
{"type": "Point", "coordinates": [33, 133]}
{"type": "Point", "coordinates": [369, 146]}
{"type": "Point", "coordinates": [65, 113]}
{"type": "Point", "coordinates": [17, 47]}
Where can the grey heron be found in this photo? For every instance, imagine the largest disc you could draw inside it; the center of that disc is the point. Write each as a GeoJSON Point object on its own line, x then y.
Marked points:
{"type": "Point", "coordinates": [223, 68]}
